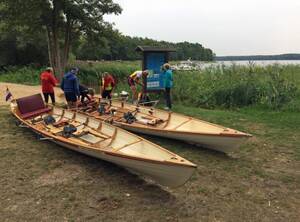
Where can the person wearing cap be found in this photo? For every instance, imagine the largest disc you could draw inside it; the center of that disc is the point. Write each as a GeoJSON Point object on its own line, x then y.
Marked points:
{"type": "Point", "coordinates": [48, 81]}
{"type": "Point", "coordinates": [70, 86]}
{"type": "Point", "coordinates": [107, 85]}
{"type": "Point", "coordinates": [134, 79]}
{"type": "Point", "coordinates": [168, 84]}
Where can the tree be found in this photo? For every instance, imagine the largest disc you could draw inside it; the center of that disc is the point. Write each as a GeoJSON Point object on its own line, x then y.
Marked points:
{"type": "Point", "coordinates": [61, 20]}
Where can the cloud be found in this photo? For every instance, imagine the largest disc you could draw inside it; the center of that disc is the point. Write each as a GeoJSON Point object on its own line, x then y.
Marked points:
{"type": "Point", "coordinates": [231, 27]}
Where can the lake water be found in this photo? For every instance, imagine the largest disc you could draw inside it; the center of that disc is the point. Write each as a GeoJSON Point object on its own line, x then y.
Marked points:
{"type": "Point", "coordinates": [261, 62]}
{"type": "Point", "coordinates": [198, 65]}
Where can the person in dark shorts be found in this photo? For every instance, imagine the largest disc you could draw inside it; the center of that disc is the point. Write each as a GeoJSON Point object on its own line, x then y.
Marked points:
{"type": "Point", "coordinates": [107, 85]}
{"type": "Point", "coordinates": [48, 81]}
{"type": "Point", "coordinates": [70, 86]}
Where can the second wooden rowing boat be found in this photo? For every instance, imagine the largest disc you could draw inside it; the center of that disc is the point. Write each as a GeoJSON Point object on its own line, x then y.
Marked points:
{"type": "Point", "coordinates": [145, 120]}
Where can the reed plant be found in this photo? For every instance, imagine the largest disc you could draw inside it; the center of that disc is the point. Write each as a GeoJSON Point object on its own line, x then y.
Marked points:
{"type": "Point", "coordinates": [274, 86]}
{"type": "Point", "coordinates": [238, 86]}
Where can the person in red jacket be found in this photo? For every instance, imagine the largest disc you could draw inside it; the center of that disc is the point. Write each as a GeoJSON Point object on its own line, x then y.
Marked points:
{"type": "Point", "coordinates": [48, 82]}
{"type": "Point", "coordinates": [107, 85]}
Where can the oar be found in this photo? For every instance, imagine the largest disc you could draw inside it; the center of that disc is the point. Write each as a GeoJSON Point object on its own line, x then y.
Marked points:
{"type": "Point", "coordinates": [154, 102]}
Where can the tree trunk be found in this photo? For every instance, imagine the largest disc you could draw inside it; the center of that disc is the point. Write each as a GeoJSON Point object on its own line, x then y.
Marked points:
{"type": "Point", "coordinates": [67, 43]}
{"type": "Point", "coordinates": [53, 34]}
{"type": "Point", "coordinates": [57, 58]}
{"type": "Point", "coordinates": [50, 47]}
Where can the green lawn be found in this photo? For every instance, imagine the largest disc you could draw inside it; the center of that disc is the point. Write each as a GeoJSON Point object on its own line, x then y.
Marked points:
{"type": "Point", "coordinates": [41, 181]}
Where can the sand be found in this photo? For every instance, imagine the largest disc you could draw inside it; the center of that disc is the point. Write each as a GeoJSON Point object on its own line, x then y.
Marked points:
{"type": "Point", "coordinates": [19, 90]}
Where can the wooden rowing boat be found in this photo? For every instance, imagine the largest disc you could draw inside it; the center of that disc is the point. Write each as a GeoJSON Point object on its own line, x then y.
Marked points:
{"type": "Point", "coordinates": [104, 141]}
{"type": "Point", "coordinates": [170, 125]}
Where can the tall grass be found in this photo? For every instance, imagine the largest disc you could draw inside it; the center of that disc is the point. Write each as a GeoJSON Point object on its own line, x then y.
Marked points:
{"type": "Point", "coordinates": [273, 86]}
{"type": "Point", "coordinates": [236, 86]}
{"type": "Point", "coordinates": [23, 75]}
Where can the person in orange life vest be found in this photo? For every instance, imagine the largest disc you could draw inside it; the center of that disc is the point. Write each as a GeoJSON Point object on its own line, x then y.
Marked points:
{"type": "Point", "coordinates": [48, 81]}
{"type": "Point", "coordinates": [134, 79]}
{"type": "Point", "coordinates": [107, 85]}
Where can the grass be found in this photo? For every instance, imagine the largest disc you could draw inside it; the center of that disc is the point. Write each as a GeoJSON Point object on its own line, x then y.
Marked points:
{"type": "Point", "coordinates": [260, 182]}
{"type": "Point", "coordinates": [228, 87]}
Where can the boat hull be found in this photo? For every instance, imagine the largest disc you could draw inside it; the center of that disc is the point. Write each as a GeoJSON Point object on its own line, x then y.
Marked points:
{"type": "Point", "coordinates": [175, 126]}
{"type": "Point", "coordinates": [223, 143]}
{"type": "Point", "coordinates": [166, 175]}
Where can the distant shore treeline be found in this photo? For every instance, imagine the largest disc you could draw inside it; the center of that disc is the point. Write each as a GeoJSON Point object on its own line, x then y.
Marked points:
{"type": "Point", "coordinates": [259, 57]}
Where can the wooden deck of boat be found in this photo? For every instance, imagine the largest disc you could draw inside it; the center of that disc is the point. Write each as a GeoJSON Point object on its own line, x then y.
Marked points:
{"type": "Point", "coordinates": [168, 121]}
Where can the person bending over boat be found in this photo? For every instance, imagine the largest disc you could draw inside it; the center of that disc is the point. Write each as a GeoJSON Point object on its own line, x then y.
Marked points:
{"type": "Point", "coordinates": [134, 79]}
{"type": "Point", "coordinates": [107, 86]}
{"type": "Point", "coordinates": [70, 86]}
{"type": "Point", "coordinates": [85, 92]}
{"type": "Point", "coordinates": [48, 81]}
{"type": "Point", "coordinates": [168, 84]}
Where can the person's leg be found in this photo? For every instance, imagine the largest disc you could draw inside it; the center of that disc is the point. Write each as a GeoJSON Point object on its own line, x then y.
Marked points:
{"type": "Point", "coordinates": [134, 93]}
{"type": "Point", "coordinates": [168, 97]}
{"type": "Point", "coordinates": [109, 94]}
{"type": "Point", "coordinates": [104, 94]}
{"type": "Point", "coordinates": [74, 100]}
{"type": "Point", "coordinates": [71, 99]}
{"type": "Point", "coordinates": [46, 97]}
{"type": "Point", "coordinates": [68, 99]}
{"type": "Point", "coordinates": [52, 95]}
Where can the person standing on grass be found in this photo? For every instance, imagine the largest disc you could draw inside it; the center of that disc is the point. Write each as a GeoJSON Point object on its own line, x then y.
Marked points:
{"type": "Point", "coordinates": [168, 84]}
{"type": "Point", "coordinates": [134, 79]}
{"type": "Point", "coordinates": [48, 81]}
{"type": "Point", "coordinates": [107, 85]}
{"type": "Point", "coordinates": [70, 86]}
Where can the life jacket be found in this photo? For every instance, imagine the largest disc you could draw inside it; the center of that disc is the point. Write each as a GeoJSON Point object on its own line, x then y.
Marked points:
{"type": "Point", "coordinates": [108, 83]}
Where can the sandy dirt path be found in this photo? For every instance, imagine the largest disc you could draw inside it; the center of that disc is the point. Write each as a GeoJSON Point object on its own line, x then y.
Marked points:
{"type": "Point", "coordinates": [19, 90]}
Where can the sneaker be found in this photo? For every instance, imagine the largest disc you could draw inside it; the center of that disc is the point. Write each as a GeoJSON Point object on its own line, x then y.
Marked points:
{"type": "Point", "coordinates": [167, 108]}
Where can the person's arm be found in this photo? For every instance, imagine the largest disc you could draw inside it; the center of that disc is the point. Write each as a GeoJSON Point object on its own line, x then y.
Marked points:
{"type": "Point", "coordinates": [113, 82]}
{"type": "Point", "coordinates": [171, 77]}
{"type": "Point", "coordinates": [53, 80]}
{"type": "Point", "coordinates": [137, 81]}
{"type": "Point", "coordinates": [76, 87]}
{"type": "Point", "coordinates": [101, 86]}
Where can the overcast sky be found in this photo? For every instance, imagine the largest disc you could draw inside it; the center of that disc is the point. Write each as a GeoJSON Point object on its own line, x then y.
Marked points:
{"type": "Point", "coordinates": [228, 27]}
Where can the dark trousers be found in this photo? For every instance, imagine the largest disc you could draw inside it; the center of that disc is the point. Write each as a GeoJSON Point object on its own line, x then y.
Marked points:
{"type": "Point", "coordinates": [46, 96]}
{"type": "Point", "coordinates": [168, 97]}
{"type": "Point", "coordinates": [106, 94]}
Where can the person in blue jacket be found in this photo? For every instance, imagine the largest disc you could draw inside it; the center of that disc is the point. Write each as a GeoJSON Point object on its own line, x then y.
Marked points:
{"type": "Point", "coordinates": [70, 86]}
{"type": "Point", "coordinates": [168, 84]}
